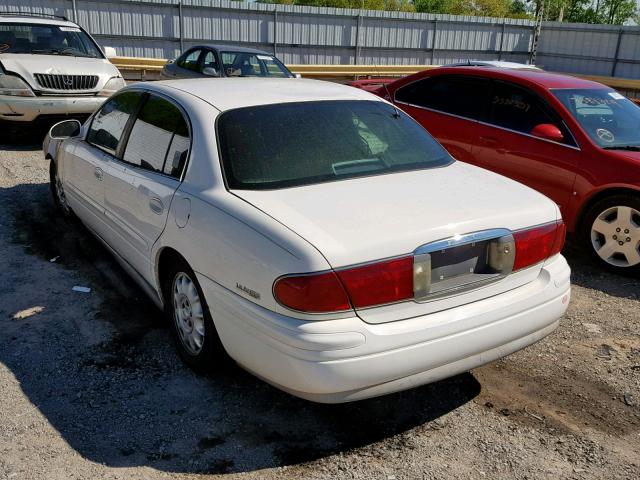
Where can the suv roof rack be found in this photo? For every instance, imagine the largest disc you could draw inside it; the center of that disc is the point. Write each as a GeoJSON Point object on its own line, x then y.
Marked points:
{"type": "Point", "coordinates": [33, 14]}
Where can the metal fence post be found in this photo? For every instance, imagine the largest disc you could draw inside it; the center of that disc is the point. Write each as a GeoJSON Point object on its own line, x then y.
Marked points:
{"type": "Point", "coordinates": [275, 31]}
{"type": "Point", "coordinates": [504, 25]}
{"type": "Point", "coordinates": [181, 25]}
{"type": "Point", "coordinates": [536, 35]}
{"type": "Point", "coordinates": [357, 54]}
{"type": "Point", "coordinates": [615, 57]}
{"type": "Point", "coordinates": [74, 9]}
{"type": "Point", "coordinates": [433, 40]}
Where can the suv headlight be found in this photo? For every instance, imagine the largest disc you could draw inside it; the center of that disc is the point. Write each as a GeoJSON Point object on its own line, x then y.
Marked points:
{"type": "Point", "coordinates": [113, 85]}
{"type": "Point", "coordinates": [14, 86]}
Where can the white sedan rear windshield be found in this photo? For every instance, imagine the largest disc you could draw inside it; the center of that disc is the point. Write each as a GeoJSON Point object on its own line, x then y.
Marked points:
{"type": "Point", "coordinates": [293, 144]}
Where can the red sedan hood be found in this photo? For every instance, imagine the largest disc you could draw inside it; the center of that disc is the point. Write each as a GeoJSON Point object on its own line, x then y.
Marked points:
{"type": "Point", "coordinates": [628, 154]}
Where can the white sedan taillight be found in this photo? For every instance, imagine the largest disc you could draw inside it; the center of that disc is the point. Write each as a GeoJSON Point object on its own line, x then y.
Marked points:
{"type": "Point", "coordinates": [435, 269]}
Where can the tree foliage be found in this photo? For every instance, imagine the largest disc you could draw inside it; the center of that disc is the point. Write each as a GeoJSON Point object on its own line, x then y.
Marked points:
{"type": "Point", "coordinates": [615, 12]}
{"type": "Point", "coordinates": [393, 5]}
{"type": "Point", "coordinates": [486, 8]}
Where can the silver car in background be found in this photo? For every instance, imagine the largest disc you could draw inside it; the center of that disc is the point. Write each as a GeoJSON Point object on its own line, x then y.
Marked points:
{"type": "Point", "coordinates": [204, 61]}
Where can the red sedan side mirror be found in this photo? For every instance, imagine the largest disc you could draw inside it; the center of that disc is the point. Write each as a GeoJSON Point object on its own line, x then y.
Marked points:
{"type": "Point", "coordinates": [548, 131]}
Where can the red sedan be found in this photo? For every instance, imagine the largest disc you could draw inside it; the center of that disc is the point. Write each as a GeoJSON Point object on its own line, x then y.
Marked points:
{"type": "Point", "coordinates": [574, 140]}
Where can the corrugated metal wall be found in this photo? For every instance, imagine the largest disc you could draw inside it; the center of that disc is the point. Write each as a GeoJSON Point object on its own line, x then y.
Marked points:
{"type": "Point", "coordinates": [591, 49]}
{"type": "Point", "coordinates": [161, 28]}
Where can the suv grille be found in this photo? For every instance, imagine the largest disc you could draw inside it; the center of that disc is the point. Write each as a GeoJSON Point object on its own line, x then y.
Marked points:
{"type": "Point", "coordinates": [66, 82]}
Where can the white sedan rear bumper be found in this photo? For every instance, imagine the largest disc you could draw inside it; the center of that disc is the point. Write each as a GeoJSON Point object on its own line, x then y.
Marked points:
{"type": "Point", "coordinates": [347, 359]}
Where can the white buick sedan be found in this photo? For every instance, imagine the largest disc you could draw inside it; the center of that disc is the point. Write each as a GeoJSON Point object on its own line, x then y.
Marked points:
{"type": "Point", "coordinates": [313, 232]}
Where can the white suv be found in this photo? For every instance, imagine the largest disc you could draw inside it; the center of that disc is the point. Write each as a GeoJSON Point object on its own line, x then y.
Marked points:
{"type": "Point", "coordinates": [51, 68]}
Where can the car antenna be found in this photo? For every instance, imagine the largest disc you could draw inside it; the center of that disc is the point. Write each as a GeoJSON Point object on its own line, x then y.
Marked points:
{"type": "Point", "coordinates": [396, 113]}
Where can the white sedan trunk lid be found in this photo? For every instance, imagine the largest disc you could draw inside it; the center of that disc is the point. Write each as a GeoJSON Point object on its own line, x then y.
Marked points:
{"type": "Point", "coordinates": [373, 218]}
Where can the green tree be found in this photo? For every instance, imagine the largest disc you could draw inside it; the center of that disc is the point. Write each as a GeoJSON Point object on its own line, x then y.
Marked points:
{"type": "Point", "coordinates": [617, 12]}
{"type": "Point", "coordinates": [487, 8]}
{"type": "Point", "coordinates": [580, 11]}
{"type": "Point", "coordinates": [518, 9]}
{"type": "Point", "coordinates": [394, 5]}
{"type": "Point", "coordinates": [434, 6]}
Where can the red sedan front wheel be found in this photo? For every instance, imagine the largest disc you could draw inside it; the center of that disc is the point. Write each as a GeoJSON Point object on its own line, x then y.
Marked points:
{"type": "Point", "coordinates": [612, 233]}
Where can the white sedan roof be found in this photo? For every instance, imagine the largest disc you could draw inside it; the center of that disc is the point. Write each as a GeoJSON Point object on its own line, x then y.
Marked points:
{"type": "Point", "coordinates": [229, 93]}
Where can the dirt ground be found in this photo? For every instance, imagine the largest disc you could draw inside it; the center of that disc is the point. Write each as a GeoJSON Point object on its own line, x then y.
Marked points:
{"type": "Point", "coordinates": [90, 386]}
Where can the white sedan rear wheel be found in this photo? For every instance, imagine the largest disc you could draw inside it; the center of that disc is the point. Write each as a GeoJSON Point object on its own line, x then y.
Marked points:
{"type": "Point", "coordinates": [188, 313]}
{"type": "Point", "coordinates": [193, 329]}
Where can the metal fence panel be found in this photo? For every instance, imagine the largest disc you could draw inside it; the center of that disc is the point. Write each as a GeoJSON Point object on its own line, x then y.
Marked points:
{"type": "Point", "coordinates": [578, 40]}
{"type": "Point", "coordinates": [379, 32]}
{"type": "Point", "coordinates": [301, 34]}
{"type": "Point", "coordinates": [318, 30]}
{"type": "Point", "coordinates": [315, 56]}
{"type": "Point", "coordinates": [574, 65]}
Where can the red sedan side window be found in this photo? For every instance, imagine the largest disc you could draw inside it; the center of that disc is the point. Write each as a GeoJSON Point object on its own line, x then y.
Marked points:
{"type": "Point", "coordinates": [456, 95]}
{"type": "Point", "coordinates": [521, 110]}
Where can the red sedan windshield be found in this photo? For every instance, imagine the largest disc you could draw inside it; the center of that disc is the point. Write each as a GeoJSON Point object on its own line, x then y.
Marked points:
{"type": "Point", "coordinates": [609, 118]}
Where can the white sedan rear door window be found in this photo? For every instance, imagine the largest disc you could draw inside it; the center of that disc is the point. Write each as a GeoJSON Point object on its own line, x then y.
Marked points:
{"type": "Point", "coordinates": [159, 139]}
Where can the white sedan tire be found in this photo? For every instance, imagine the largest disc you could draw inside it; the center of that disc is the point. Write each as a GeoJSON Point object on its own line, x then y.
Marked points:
{"type": "Point", "coordinates": [193, 330]}
{"type": "Point", "coordinates": [57, 192]}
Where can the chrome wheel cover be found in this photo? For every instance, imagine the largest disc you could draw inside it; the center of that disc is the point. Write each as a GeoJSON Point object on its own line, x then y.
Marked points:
{"type": "Point", "coordinates": [188, 313]}
{"type": "Point", "coordinates": [615, 236]}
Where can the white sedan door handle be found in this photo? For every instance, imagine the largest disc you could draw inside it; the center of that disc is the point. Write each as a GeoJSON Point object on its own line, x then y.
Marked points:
{"type": "Point", "coordinates": [156, 206]}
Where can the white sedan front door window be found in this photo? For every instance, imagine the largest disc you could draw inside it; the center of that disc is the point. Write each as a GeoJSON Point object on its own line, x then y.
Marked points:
{"type": "Point", "coordinates": [85, 166]}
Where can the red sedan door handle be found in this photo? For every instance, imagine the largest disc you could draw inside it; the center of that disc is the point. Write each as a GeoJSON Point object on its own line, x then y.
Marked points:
{"type": "Point", "coordinates": [493, 142]}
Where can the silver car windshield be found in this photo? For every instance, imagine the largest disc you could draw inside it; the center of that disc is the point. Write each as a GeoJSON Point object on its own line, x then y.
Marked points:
{"type": "Point", "coordinates": [244, 64]}
{"type": "Point", "coordinates": [303, 143]}
{"type": "Point", "coordinates": [42, 39]}
{"type": "Point", "coordinates": [608, 117]}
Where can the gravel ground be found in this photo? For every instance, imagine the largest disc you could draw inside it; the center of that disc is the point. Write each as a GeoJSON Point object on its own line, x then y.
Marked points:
{"type": "Point", "coordinates": [90, 386]}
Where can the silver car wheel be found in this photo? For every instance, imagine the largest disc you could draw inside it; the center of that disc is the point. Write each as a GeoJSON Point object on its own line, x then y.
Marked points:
{"type": "Point", "coordinates": [188, 313]}
{"type": "Point", "coordinates": [615, 236]}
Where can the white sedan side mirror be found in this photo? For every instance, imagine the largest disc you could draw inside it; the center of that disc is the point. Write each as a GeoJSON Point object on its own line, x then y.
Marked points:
{"type": "Point", "coordinates": [65, 129]}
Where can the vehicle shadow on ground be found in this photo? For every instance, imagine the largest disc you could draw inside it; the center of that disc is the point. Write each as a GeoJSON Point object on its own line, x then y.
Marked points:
{"type": "Point", "coordinates": [106, 377]}
{"type": "Point", "coordinates": [25, 145]}
{"type": "Point", "coordinates": [585, 273]}
{"type": "Point", "coordinates": [25, 139]}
